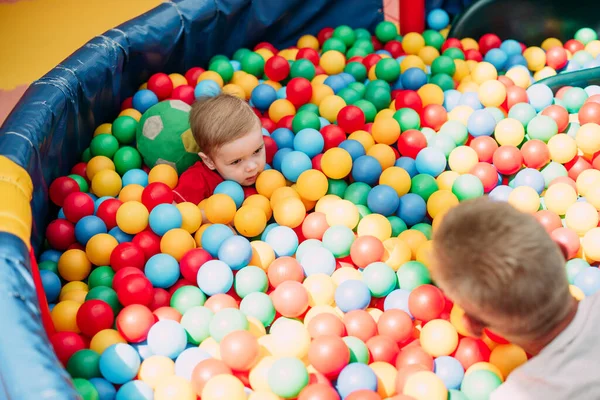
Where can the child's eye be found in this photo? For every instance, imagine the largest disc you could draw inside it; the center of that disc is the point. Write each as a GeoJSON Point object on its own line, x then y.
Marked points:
{"type": "Point", "coordinates": [258, 150]}
{"type": "Point", "coordinates": [235, 162]}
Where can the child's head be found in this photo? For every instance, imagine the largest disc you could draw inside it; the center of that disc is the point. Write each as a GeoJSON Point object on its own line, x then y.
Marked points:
{"type": "Point", "coordinates": [502, 267]}
{"type": "Point", "coordinates": [230, 137]}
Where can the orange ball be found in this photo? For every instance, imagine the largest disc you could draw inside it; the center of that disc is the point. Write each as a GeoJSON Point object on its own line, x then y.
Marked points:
{"type": "Point", "coordinates": [281, 108]}
{"type": "Point", "coordinates": [314, 225]}
{"type": "Point", "coordinates": [220, 209]}
{"type": "Point", "coordinates": [386, 131]}
{"type": "Point", "coordinates": [176, 243]}
{"type": "Point", "coordinates": [240, 350]}
{"type": "Point", "coordinates": [268, 181]}
{"type": "Point", "coordinates": [163, 173]}
{"type": "Point", "coordinates": [290, 299]}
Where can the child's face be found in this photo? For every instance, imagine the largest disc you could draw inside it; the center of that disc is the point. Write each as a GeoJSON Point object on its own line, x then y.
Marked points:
{"type": "Point", "coordinates": [243, 159]}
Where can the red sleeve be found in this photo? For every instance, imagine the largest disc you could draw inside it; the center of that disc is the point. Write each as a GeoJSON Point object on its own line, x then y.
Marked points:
{"type": "Point", "coordinates": [196, 184]}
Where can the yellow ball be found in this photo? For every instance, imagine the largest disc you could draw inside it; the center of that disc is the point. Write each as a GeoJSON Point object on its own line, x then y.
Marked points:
{"type": "Point", "coordinates": [342, 212]}
{"type": "Point", "coordinates": [247, 82]}
{"type": "Point", "coordinates": [375, 225]}
{"type": "Point", "coordinates": [163, 173]}
{"type": "Point", "coordinates": [220, 209]}
{"type": "Point", "coordinates": [97, 164]}
{"type": "Point", "coordinates": [268, 181]}
{"type": "Point", "coordinates": [262, 254]}
{"type": "Point", "coordinates": [439, 338]}
{"type": "Point", "coordinates": [273, 84]}
{"type": "Point", "coordinates": [492, 93]}
{"type": "Point", "coordinates": [99, 248]}
{"type": "Point", "coordinates": [385, 130]}
{"type": "Point", "coordinates": [235, 90]}
{"type": "Point", "coordinates": [330, 106]}
{"type": "Point", "coordinates": [384, 154]}
{"type": "Point", "coordinates": [414, 239]}
{"type": "Point", "coordinates": [263, 395]}
{"type": "Point", "coordinates": [73, 265]}
{"type": "Point", "coordinates": [73, 286]}
{"type": "Point", "coordinates": [259, 375]}
{"type": "Point", "coordinates": [281, 108]}
{"type": "Point", "coordinates": [412, 42]}
{"type": "Point", "coordinates": [509, 132]}
{"type": "Point", "coordinates": [371, 75]}
{"type": "Point", "coordinates": [507, 357]}
{"type": "Point", "coordinates": [256, 328]}
{"type": "Point", "coordinates": [312, 184]}
{"type": "Point", "coordinates": [588, 138]}
{"type": "Point", "coordinates": [178, 80]}
{"type": "Point", "coordinates": [336, 163]}
{"type": "Point", "coordinates": [446, 179]}
{"type": "Point", "coordinates": [211, 346]}
{"type": "Point", "coordinates": [104, 339]}
{"type": "Point", "coordinates": [457, 320]}
{"type": "Point", "coordinates": [396, 253]}
{"type": "Point", "coordinates": [460, 114]}
{"type": "Point", "coordinates": [191, 216]}
{"type": "Point", "coordinates": [520, 76]}
{"type": "Point", "coordinates": [385, 113]}
{"type": "Point", "coordinates": [593, 48]}
{"type": "Point", "coordinates": [462, 70]}
{"type": "Point", "coordinates": [593, 197]}
{"type": "Point", "coordinates": [581, 217]}
{"type": "Point", "coordinates": [591, 244]}
{"type": "Point", "coordinates": [431, 94]}
{"type": "Point", "coordinates": [462, 159]}
{"type": "Point", "coordinates": [174, 388]}
{"type": "Point", "coordinates": [309, 41]}
{"type": "Point", "coordinates": [363, 137]}
{"type": "Point", "coordinates": [199, 233]}
{"type": "Point", "coordinates": [469, 86]}
{"type": "Point", "coordinates": [559, 197]}
{"type": "Point", "coordinates": [211, 76]}
{"type": "Point", "coordinates": [77, 296]}
{"type": "Point", "coordinates": [386, 378]}
{"type": "Point", "coordinates": [543, 73]}
{"type": "Point", "coordinates": [428, 54]}
{"type": "Point", "coordinates": [397, 178]}
{"type": "Point", "coordinates": [106, 183]}
{"type": "Point", "coordinates": [64, 316]}
{"type": "Point", "coordinates": [411, 61]}
{"type": "Point", "coordinates": [320, 92]}
{"type": "Point", "coordinates": [563, 148]}
{"type": "Point", "coordinates": [289, 212]}
{"type": "Point", "coordinates": [132, 217]}
{"type": "Point", "coordinates": [131, 192]}
{"type": "Point", "coordinates": [576, 292]}
{"type": "Point", "coordinates": [332, 62]}
{"type": "Point", "coordinates": [425, 385]}
{"type": "Point", "coordinates": [425, 253]}
{"type": "Point", "coordinates": [320, 289]}
{"type": "Point", "coordinates": [525, 199]}
{"type": "Point", "coordinates": [131, 112]}
{"type": "Point", "coordinates": [250, 221]}
{"type": "Point", "coordinates": [103, 128]}
{"type": "Point", "coordinates": [319, 80]}
{"type": "Point", "coordinates": [469, 44]}
{"type": "Point", "coordinates": [261, 202]}
{"type": "Point", "coordinates": [549, 43]}
{"type": "Point", "coordinates": [176, 243]}
{"type": "Point", "coordinates": [441, 201]}
{"type": "Point", "coordinates": [535, 57]}
{"type": "Point", "coordinates": [485, 366]}
{"type": "Point", "coordinates": [484, 71]}
{"type": "Point", "coordinates": [587, 180]}
{"type": "Point", "coordinates": [344, 274]}
{"type": "Point", "coordinates": [154, 369]}
{"type": "Point", "coordinates": [286, 332]}
{"type": "Point", "coordinates": [264, 53]}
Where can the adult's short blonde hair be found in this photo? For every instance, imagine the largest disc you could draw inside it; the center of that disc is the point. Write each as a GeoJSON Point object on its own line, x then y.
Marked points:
{"type": "Point", "coordinates": [503, 262]}
{"type": "Point", "coordinates": [218, 120]}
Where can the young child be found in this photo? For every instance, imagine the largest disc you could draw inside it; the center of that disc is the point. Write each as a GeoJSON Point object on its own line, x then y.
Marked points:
{"type": "Point", "coordinates": [230, 137]}
{"type": "Point", "coordinates": [505, 271]}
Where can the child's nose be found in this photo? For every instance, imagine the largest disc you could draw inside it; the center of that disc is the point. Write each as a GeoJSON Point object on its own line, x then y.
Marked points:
{"type": "Point", "coordinates": [251, 166]}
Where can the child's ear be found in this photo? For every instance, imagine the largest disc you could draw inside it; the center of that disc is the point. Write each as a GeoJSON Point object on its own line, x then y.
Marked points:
{"type": "Point", "coordinates": [207, 160]}
{"type": "Point", "coordinates": [474, 325]}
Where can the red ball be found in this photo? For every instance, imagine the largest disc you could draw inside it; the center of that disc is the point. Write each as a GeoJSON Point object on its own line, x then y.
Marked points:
{"type": "Point", "coordinates": [156, 193]}
{"type": "Point", "coordinates": [107, 212]}
{"type": "Point", "coordinates": [556, 57]}
{"type": "Point", "coordinates": [310, 54]}
{"type": "Point", "coordinates": [361, 324]}
{"type": "Point", "coordinates": [94, 316]}
{"type": "Point", "coordinates": [489, 41]}
{"type": "Point", "coordinates": [149, 242]}
{"type": "Point", "coordinates": [589, 112]}
{"type": "Point", "coordinates": [270, 148]}
{"type": "Point", "coordinates": [394, 47]}
{"type": "Point", "coordinates": [316, 162]}
{"type": "Point", "coordinates": [324, 34]}
{"type": "Point", "coordinates": [495, 337]}
{"type": "Point", "coordinates": [192, 75]}
{"type": "Point", "coordinates": [426, 302]}
{"type": "Point", "coordinates": [411, 142]}
{"type": "Point", "coordinates": [484, 146]}
{"type": "Point", "coordinates": [383, 348]}
{"type": "Point", "coordinates": [434, 116]}
{"type": "Point", "coordinates": [396, 324]}
{"type": "Point", "coordinates": [561, 92]}
{"type": "Point", "coordinates": [328, 354]}
{"type": "Point", "coordinates": [356, 59]}
{"type": "Point", "coordinates": [80, 169]}
{"type": "Point", "coordinates": [299, 91]}
{"type": "Point", "coordinates": [487, 174]}
{"type": "Point", "coordinates": [160, 298]}
{"type": "Point", "coordinates": [515, 95]}
{"type": "Point", "coordinates": [127, 254]}
{"type": "Point", "coordinates": [65, 344]}
{"type": "Point", "coordinates": [184, 93]}
{"type": "Point", "coordinates": [249, 191]}
{"type": "Point", "coordinates": [134, 322]}
{"type": "Point", "coordinates": [333, 135]}
{"type": "Point", "coordinates": [268, 124]}
{"type": "Point", "coordinates": [409, 99]}
{"type": "Point", "coordinates": [371, 60]}
{"type": "Point", "coordinates": [61, 188]}
{"type": "Point", "coordinates": [286, 122]}
{"type": "Point", "coordinates": [161, 85]}
{"type": "Point", "coordinates": [363, 394]}
{"type": "Point", "coordinates": [535, 154]}
{"type": "Point", "coordinates": [179, 284]}
{"type": "Point", "coordinates": [471, 351]}
{"type": "Point", "coordinates": [318, 391]}
{"type": "Point", "coordinates": [549, 220]}
{"type": "Point", "coordinates": [60, 234]}
{"type": "Point", "coordinates": [377, 45]}
{"type": "Point", "coordinates": [561, 116]}
{"type": "Point", "coordinates": [127, 103]}
{"type": "Point", "coordinates": [451, 42]}
{"type": "Point", "coordinates": [576, 166]}
{"type": "Point", "coordinates": [569, 240]}
{"type": "Point", "coordinates": [474, 55]}
{"type": "Point", "coordinates": [78, 205]}
{"type": "Point", "coordinates": [574, 46]}
{"type": "Point", "coordinates": [277, 68]}
{"type": "Point", "coordinates": [351, 118]}
{"type": "Point", "coordinates": [266, 45]}
{"type": "Point", "coordinates": [508, 159]}
{"type": "Point", "coordinates": [123, 273]}
{"type": "Point", "coordinates": [192, 261]}
{"type": "Point", "coordinates": [135, 289]}
{"type": "Point", "coordinates": [414, 354]}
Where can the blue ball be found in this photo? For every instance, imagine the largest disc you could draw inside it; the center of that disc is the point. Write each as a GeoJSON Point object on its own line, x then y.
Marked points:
{"type": "Point", "coordinates": [233, 190]}
{"type": "Point", "coordinates": [515, 60]}
{"type": "Point", "coordinates": [540, 96]}
{"type": "Point", "coordinates": [87, 227]}
{"type": "Point", "coordinates": [236, 252]}
{"type": "Point", "coordinates": [143, 100]}
{"type": "Point", "coordinates": [592, 90]}
{"type": "Point", "coordinates": [52, 285]}
{"type": "Point", "coordinates": [50, 255]}
{"type": "Point", "coordinates": [353, 147]}
{"type": "Point", "coordinates": [309, 141]}
{"type": "Point", "coordinates": [121, 236]}
{"type": "Point", "coordinates": [207, 88]}
{"type": "Point", "coordinates": [449, 370]}
{"type": "Point", "coordinates": [214, 236]}
{"type": "Point", "coordinates": [413, 78]}
{"type": "Point", "coordinates": [451, 99]}
{"type": "Point", "coordinates": [412, 209]}
{"type": "Point", "coordinates": [366, 169]}
{"type": "Point", "coordinates": [284, 138]}
{"type": "Point", "coordinates": [408, 164]}
{"type": "Point", "coordinates": [530, 177]}
{"type": "Point", "coordinates": [397, 300]}
{"type": "Point", "coordinates": [279, 156]}
{"type": "Point", "coordinates": [355, 377]}
{"type": "Point", "coordinates": [383, 199]}
{"type": "Point", "coordinates": [431, 161]}
{"type": "Point", "coordinates": [470, 99]}
{"type": "Point", "coordinates": [263, 236]}
{"type": "Point", "coordinates": [135, 176]}
{"type": "Point", "coordinates": [263, 96]}
{"type": "Point", "coordinates": [120, 363]}
{"type": "Point", "coordinates": [92, 196]}
{"type": "Point", "coordinates": [100, 201]}
{"type": "Point", "coordinates": [167, 338]}
{"type": "Point", "coordinates": [572, 65]}
{"type": "Point", "coordinates": [135, 390]}
{"type": "Point", "coordinates": [500, 193]}
{"type": "Point", "coordinates": [143, 349]}
{"type": "Point", "coordinates": [61, 214]}
{"type": "Point", "coordinates": [214, 277]}
{"type": "Point", "coordinates": [496, 57]}
{"type": "Point", "coordinates": [438, 19]}
{"type": "Point", "coordinates": [265, 132]}
{"type": "Point", "coordinates": [164, 217]}
{"type": "Point", "coordinates": [306, 246]}
{"type": "Point", "coordinates": [511, 47]}
{"type": "Point", "coordinates": [105, 389]}
{"type": "Point", "coordinates": [187, 361]}
{"type": "Point", "coordinates": [481, 123]}
{"type": "Point", "coordinates": [397, 85]}
{"type": "Point", "coordinates": [283, 240]}
{"type": "Point", "coordinates": [323, 122]}
{"type": "Point", "coordinates": [294, 164]}
{"type": "Point", "coordinates": [335, 82]}
{"type": "Point", "coordinates": [574, 266]}
{"type": "Point", "coordinates": [352, 295]}
{"type": "Point", "coordinates": [588, 280]}
{"type": "Point", "coordinates": [162, 270]}
{"type": "Point", "coordinates": [282, 93]}
{"type": "Point", "coordinates": [237, 66]}
{"type": "Point", "coordinates": [347, 77]}
{"type": "Point", "coordinates": [318, 260]}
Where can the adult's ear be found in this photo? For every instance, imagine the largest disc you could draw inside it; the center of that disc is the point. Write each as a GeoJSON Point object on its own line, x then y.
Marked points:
{"type": "Point", "coordinates": [207, 160]}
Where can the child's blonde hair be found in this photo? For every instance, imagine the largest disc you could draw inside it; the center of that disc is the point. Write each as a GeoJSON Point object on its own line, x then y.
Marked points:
{"type": "Point", "coordinates": [503, 262]}
{"type": "Point", "coordinates": [216, 121]}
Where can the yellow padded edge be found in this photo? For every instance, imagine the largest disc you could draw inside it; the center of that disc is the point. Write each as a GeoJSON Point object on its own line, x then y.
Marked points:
{"type": "Point", "coordinates": [15, 196]}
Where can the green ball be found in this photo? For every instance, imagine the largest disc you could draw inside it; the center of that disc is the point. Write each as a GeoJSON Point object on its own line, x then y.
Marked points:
{"type": "Point", "coordinates": [380, 97]}
{"type": "Point", "coordinates": [377, 83]}
{"type": "Point", "coordinates": [107, 295]}
{"type": "Point", "coordinates": [380, 278]}
{"type": "Point", "coordinates": [250, 279]}
{"type": "Point", "coordinates": [386, 31]}
{"type": "Point", "coordinates": [357, 193]}
{"type": "Point", "coordinates": [356, 51]}
{"type": "Point", "coordinates": [425, 228]}
{"type": "Point", "coordinates": [586, 35]}
{"type": "Point", "coordinates": [260, 306]}
{"type": "Point", "coordinates": [542, 127]}
{"type": "Point", "coordinates": [226, 321]}
{"type": "Point", "coordinates": [433, 39]}
{"type": "Point", "coordinates": [81, 182]}
{"type": "Point", "coordinates": [443, 65]}
{"type": "Point", "coordinates": [303, 68]}
{"type": "Point", "coordinates": [456, 130]}
{"type": "Point", "coordinates": [363, 211]}
{"type": "Point", "coordinates": [467, 187]}
{"type": "Point", "coordinates": [454, 394]}
{"type": "Point", "coordinates": [575, 266]}
{"type": "Point", "coordinates": [124, 128]}
{"type": "Point", "coordinates": [478, 385]}
{"type": "Point", "coordinates": [350, 96]}
{"type": "Point", "coordinates": [187, 297]}
{"type": "Point", "coordinates": [423, 185]}
{"type": "Point", "coordinates": [86, 155]}
{"type": "Point", "coordinates": [444, 81]}
{"type": "Point", "coordinates": [574, 98]}
{"type": "Point", "coordinates": [127, 158]}
{"type": "Point", "coordinates": [84, 364]}
{"type": "Point", "coordinates": [398, 225]}
{"type": "Point", "coordinates": [218, 57]}
{"type": "Point", "coordinates": [359, 87]}
{"type": "Point", "coordinates": [497, 113]}
{"type": "Point", "coordinates": [104, 145]}
{"type": "Point", "coordinates": [454, 53]}
{"type": "Point", "coordinates": [522, 112]}
{"type": "Point", "coordinates": [196, 321]}
{"type": "Point", "coordinates": [357, 70]}
{"type": "Point", "coordinates": [305, 119]}
{"type": "Point", "coordinates": [367, 108]}
{"type": "Point", "coordinates": [309, 107]}
{"type": "Point", "coordinates": [223, 68]}
{"type": "Point", "coordinates": [413, 274]}
{"type": "Point", "coordinates": [338, 239]}
{"type": "Point", "coordinates": [254, 64]}
{"type": "Point", "coordinates": [334, 43]}
{"type": "Point", "coordinates": [362, 34]}
{"type": "Point", "coordinates": [240, 53]}
{"type": "Point", "coordinates": [387, 69]}
{"type": "Point", "coordinates": [86, 389]}
{"type": "Point", "coordinates": [48, 266]}
{"type": "Point", "coordinates": [444, 142]}
{"type": "Point", "coordinates": [407, 119]}
{"type": "Point", "coordinates": [287, 377]}
{"type": "Point", "coordinates": [337, 187]}
{"type": "Point", "coordinates": [552, 171]}
{"type": "Point", "coordinates": [572, 129]}
{"type": "Point", "coordinates": [345, 34]}
{"type": "Point", "coordinates": [358, 349]}
{"type": "Point", "coordinates": [365, 44]}
{"type": "Point", "coordinates": [101, 276]}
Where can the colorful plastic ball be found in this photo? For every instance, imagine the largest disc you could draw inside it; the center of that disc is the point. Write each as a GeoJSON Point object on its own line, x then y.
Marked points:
{"type": "Point", "coordinates": [439, 338]}
{"type": "Point", "coordinates": [508, 159]}
{"type": "Point", "coordinates": [162, 270]}
{"type": "Point", "coordinates": [250, 279]}
{"type": "Point", "coordinates": [51, 284]}
{"type": "Point", "coordinates": [119, 363]}
{"type": "Point", "coordinates": [167, 338]}
{"type": "Point", "coordinates": [295, 163]}
{"type": "Point", "coordinates": [366, 169]}
{"type": "Point", "coordinates": [144, 99]}
{"type": "Point", "coordinates": [467, 187]}
{"type": "Point", "coordinates": [225, 321]}
{"type": "Point", "coordinates": [85, 389]}
{"type": "Point", "coordinates": [215, 277]}
{"type": "Point", "coordinates": [290, 299]}
{"type": "Point", "coordinates": [412, 208]}
{"type": "Point", "coordinates": [581, 217]}
{"type": "Point", "coordinates": [588, 138]}
{"type": "Point", "coordinates": [431, 161]}
{"type": "Point", "coordinates": [263, 96]}
{"type": "Point", "coordinates": [438, 19]}
{"type": "Point", "coordinates": [214, 236]}
{"type": "Point", "coordinates": [77, 205]}
{"type": "Point", "coordinates": [135, 389]}
{"type": "Point", "coordinates": [105, 389]}
{"type": "Point", "coordinates": [352, 295]}
{"type": "Point", "coordinates": [383, 199]}
{"type": "Point", "coordinates": [425, 384]}
{"type": "Point", "coordinates": [355, 377]}
{"type": "Point", "coordinates": [480, 384]}
{"type": "Point", "coordinates": [94, 316]}
{"type": "Point", "coordinates": [132, 217]}
{"type": "Point", "coordinates": [481, 123]}
{"type": "Point", "coordinates": [380, 279]}
{"type": "Point", "coordinates": [134, 322]}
